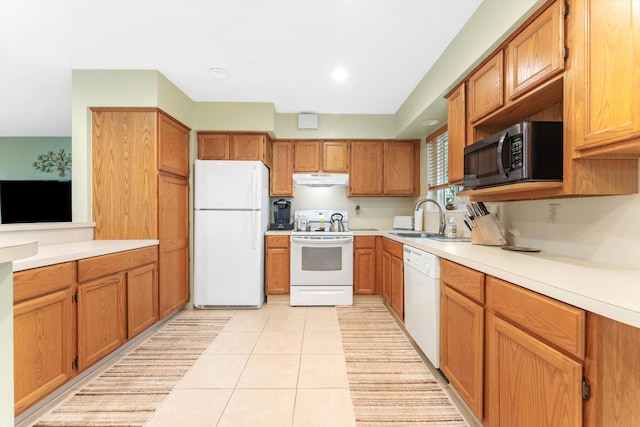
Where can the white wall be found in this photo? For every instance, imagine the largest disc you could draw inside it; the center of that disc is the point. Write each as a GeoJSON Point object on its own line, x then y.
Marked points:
{"type": "Point", "coordinates": [601, 229]}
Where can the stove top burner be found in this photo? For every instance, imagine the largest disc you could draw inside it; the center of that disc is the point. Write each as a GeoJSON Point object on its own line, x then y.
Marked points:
{"type": "Point", "coordinates": [319, 223]}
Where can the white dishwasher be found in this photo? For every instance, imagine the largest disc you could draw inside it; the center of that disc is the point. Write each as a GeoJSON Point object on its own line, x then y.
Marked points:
{"type": "Point", "coordinates": [422, 301]}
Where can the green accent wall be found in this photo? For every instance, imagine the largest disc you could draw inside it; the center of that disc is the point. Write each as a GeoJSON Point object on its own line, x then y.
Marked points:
{"type": "Point", "coordinates": [17, 155]}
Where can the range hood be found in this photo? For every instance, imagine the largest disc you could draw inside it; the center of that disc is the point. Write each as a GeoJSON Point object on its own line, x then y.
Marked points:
{"type": "Point", "coordinates": [320, 179]}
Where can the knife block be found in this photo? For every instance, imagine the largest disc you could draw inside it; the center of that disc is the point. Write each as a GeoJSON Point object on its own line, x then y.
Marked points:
{"type": "Point", "coordinates": [487, 232]}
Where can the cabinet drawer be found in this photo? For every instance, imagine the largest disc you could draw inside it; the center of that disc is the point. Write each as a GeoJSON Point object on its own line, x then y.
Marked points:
{"type": "Point", "coordinates": [465, 280]}
{"type": "Point", "coordinates": [40, 281]}
{"type": "Point", "coordinates": [91, 268]}
{"type": "Point", "coordinates": [364, 242]}
{"type": "Point", "coordinates": [393, 247]}
{"type": "Point", "coordinates": [277, 241]}
{"type": "Point", "coordinates": [558, 323]}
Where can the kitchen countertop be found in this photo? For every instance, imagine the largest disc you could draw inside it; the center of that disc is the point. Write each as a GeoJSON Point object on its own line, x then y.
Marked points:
{"type": "Point", "coordinates": [55, 254]}
{"type": "Point", "coordinates": [605, 289]}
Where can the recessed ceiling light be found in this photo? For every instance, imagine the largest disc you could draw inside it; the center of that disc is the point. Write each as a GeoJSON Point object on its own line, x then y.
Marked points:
{"type": "Point", "coordinates": [430, 122]}
{"type": "Point", "coordinates": [340, 74]}
{"type": "Point", "coordinates": [218, 72]}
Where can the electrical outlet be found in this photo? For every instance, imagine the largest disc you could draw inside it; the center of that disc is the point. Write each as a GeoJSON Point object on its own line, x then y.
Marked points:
{"type": "Point", "coordinates": [553, 213]}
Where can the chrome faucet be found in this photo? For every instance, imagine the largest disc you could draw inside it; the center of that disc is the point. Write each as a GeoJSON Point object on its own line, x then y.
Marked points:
{"type": "Point", "coordinates": [440, 214]}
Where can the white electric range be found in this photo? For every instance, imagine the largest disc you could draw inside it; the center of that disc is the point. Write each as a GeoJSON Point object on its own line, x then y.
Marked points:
{"type": "Point", "coordinates": [321, 260]}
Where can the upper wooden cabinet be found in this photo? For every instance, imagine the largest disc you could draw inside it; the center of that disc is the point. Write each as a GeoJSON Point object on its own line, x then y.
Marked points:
{"type": "Point", "coordinates": [234, 146]}
{"type": "Point", "coordinates": [280, 181]}
{"type": "Point", "coordinates": [457, 128]}
{"type": "Point", "coordinates": [173, 149]}
{"type": "Point", "coordinates": [365, 176]}
{"type": "Point", "coordinates": [384, 168]}
{"type": "Point", "coordinates": [604, 78]}
{"type": "Point", "coordinates": [320, 156]}
{"type": "Point", "coordinates": [537, 52]}
{"type": "Point", "coordinates": [486, 89]}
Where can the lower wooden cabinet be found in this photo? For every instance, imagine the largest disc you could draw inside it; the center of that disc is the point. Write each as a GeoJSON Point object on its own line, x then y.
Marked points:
{"type": "Point", "coordinates": [44, 345]}
{"type": "Point", "coordinates": [393, 276]}
{"type": "Point", "coordinates": [364, 265]}
{"type": "Point", "coordinates": [462, 332]}
{"type": "Point", "coordinates": [142, 299]}
{"type": "Point", "coordinates": [530, 384]}
{"type": "Point", "coordinates": [277, 263]}
{"type": "Point", "coordinates": [101, 318]}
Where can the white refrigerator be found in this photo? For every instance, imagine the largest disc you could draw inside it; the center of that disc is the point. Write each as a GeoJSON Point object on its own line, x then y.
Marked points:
{"type": "Point", "coordinates": [231, 215]}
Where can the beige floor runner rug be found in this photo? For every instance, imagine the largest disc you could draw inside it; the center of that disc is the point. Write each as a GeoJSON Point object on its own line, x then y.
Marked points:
{"type": "Point", "coordinates": [390, 384]}
{"type": "Point", "coordinates": [129, 392]}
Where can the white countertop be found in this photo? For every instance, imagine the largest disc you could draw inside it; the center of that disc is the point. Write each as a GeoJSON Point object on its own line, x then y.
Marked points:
{"type": "Point", "coordinates": [54, 254]}
{"type": "Point", "coordinates": [609, 290]}
{"type": "Point", "coordinates": [15, 249]}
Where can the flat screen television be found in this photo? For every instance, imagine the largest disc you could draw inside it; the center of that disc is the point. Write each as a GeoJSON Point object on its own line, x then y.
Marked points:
{"type": "Point", "coordinates": [35, 201]}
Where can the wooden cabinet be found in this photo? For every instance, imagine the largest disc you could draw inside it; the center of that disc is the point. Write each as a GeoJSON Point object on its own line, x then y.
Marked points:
{"type": "Point", "coordinates": [321, 156]}
{"type": "Point", "coordinates": [462, 332]}
{"type": "Point", "coordinates": [384, 168]}
{"type": "Point", "coordinates": [44, 337]}
{"type": "Point", "coordinates": [611, 365]}
{"type": "Point", "coordinates": [401, 168]}
{"type": "Point", "coordinates": [117, 299]}
{"type": "Point", "coordinates": [485, 88]}
{"type": "Point", "coordinates": [141, 189]}
{"type": "Point", "coordinates": [534, 351]}
{"type": "Point", "coordinates": [537, 53]}
{"type": "Point", "coordinates": [365, 175]}
{"type": "Point", "coordinates": [457, 137]}
{"type": "Point", "coordinates": [280, 181]}
{"type": "Point", "coordinates": [364, 265]}
{"type": "Point", "coordinates": [604, 78]}
{"type": "Point", "coordinates": [306, 156]}
{"type": "Point", "coordinates": [234, 146]}
{"type": "Point", "coordinates": [277, 263]}
{"type": "Point", "coordinates": [335, 156]}
{"type": "Point", "coordinates": [393, 276]}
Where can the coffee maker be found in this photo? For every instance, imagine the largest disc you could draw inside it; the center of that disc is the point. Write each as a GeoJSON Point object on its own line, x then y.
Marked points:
{"type": "Point", "coordinates": [281, 215]}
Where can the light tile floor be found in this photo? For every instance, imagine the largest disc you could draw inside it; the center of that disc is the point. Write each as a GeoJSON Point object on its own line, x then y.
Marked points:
{"type": "Point", "coordinates": [278, 366]}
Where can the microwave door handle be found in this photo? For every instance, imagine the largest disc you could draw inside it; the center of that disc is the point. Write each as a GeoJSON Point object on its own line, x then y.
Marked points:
{"type": "Point", "coordinates": [503, 172]}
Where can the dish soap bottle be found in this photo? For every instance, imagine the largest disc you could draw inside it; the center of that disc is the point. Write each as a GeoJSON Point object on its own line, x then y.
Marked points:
{"type": "Point", "coordinates": [451, 229]}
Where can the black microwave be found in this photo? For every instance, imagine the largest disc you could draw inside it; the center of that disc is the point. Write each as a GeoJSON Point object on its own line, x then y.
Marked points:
{"type": "Point", "coordinates": [526, 151]}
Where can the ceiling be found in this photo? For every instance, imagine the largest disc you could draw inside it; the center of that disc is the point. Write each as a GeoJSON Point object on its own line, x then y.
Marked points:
{"type": "Point", "coordinates": [277, 51]}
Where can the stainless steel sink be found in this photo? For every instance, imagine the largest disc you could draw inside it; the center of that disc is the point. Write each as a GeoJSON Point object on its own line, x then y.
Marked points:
{"type": "Point", "coordinates": [432, 236]}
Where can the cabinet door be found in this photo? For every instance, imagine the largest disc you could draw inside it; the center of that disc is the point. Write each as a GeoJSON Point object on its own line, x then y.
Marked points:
{"type": "Point", "coordinates": [306, 156]}
{"type": "Point", "coordinates": [386, 276]}
{"type": "Point", "coordinates": [335, 156]}
{"type": "Point", "coordinates": [457, 134]}
{"type": "Point", "coordinates": [282, 168]}
{"type": "Point", "coordinates": [529, 383]}
{"type": "Point", "coordinates": [173, 146]}
{"type": "Point", "coordinates": [606, 76]}
{"type": "Point", "coordinates": [486, 93]}
{"type": "Point", "coordinates": [401, 168]}
{"type": "Point", "coordinates": [461, 346]}
{"type": "Point", "coordinates": [247, 147]}
{"type": "Point", "coordinates": [101, 318]}
{"type": "Point", "coordinates": [124, 169]}
{"type": "Point", "coordinates": [213, 146]}
{"type": "Point", "coordinates": [364, 271]}
{"type": "Point", "coordinates": [43, 353]}
{"type": "Point", "coordinates": [397, 286]}
{"type": "Point", "coordinates": [277, 271]}
{"type": "Point", "coordinates": [173, 285]}
{"type": "Point", "coordinates": [142, 299]}
{"type": "Point", "coordinates": [365, 160]}
{"type": "Point", "coordinates": [536, 54]}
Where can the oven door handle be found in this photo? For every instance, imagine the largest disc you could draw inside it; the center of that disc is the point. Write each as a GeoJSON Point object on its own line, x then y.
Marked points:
{"type": "Point", "coordinates": [321, 240]}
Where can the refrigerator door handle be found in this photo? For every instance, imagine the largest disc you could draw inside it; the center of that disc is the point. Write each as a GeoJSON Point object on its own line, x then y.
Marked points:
{"type": "Point", "coordinates": [256, 186]}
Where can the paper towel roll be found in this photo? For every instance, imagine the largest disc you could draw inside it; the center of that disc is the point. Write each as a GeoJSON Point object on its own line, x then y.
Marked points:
{"type": "Point", "coordinates": [417, 220]}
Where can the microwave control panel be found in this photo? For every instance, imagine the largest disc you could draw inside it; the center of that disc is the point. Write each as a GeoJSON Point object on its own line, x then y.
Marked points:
{"type": "Point", "coordinates": [516, 152]}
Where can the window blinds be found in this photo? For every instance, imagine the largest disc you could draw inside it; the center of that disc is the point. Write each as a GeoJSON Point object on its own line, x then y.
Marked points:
{"type": "Point", "coordinates": [437, 160]}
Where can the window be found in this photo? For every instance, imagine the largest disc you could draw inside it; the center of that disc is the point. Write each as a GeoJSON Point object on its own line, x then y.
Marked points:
{"type": "Point", "coordinates": [437, 164]}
